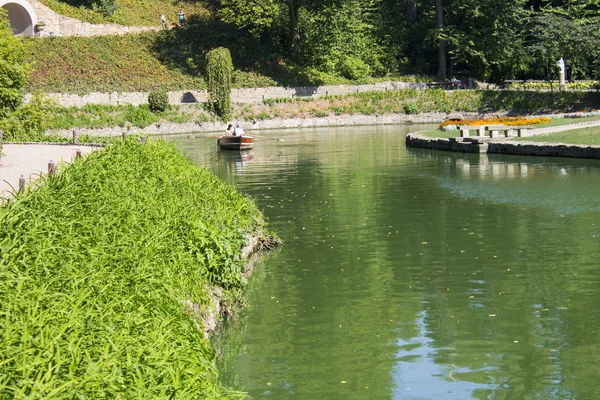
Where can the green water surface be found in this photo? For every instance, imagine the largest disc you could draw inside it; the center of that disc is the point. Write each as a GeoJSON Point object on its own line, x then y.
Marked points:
{"type": "Point", "coordinates": [414, 274]}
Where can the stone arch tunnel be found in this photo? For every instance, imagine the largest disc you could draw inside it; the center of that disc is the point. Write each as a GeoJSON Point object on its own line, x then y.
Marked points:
{"type": "Point", "coordinates": [21, 15]}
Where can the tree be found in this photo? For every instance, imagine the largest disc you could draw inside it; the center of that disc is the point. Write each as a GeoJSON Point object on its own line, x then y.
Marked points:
{"type": "Point", "coordinates": [219, 69]}
{"type": "Point", "coordinates": [260, 16]}
{"type": "Point", "coordinates": [14, 70]}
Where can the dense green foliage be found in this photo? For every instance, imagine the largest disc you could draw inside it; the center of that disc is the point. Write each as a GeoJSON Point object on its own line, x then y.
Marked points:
{"type": "Point", "coordinates": [299, 42]}
{"type": "Point", "coordinates": [484, 40]}
{"type": "Point", "coordinates": [14, 71]}
{"type": "Point", "coordinates": [100, 267]}
{"type": "Point", "coordinates": [30, 121]}
{"type": "Point", "coordinates": [219, 69]}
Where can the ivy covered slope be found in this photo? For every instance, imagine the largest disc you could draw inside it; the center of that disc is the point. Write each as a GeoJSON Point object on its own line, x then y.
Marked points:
{"type": "Point", "coordinates": [103, 271]}
{"type": "Point", "coordinates": [171, 59]}
{"type": "Point", "coordinates": [127, 12]}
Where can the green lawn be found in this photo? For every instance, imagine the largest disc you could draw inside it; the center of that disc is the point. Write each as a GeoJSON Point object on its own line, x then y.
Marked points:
{"type": "Point", "coordinates": [579, 136]}
{"type": "Point", "coordinates": [589, 136]}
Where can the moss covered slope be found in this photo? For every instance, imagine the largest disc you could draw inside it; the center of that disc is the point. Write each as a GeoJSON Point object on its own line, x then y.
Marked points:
{"type": "Point", "coordinates": [99, 267]}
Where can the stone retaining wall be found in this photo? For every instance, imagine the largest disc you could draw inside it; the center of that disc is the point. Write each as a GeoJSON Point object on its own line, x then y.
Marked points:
{"type": "Point", "coordinates": [254, 95]}
{"type": "Point", "coordinates": [505, 147]}
{"type": "Point", "coordinates": [544, 149]}
{"type": "Point", "coordinates": [58, 25]}
{"type": "Point", "coordinates": [421, 142]}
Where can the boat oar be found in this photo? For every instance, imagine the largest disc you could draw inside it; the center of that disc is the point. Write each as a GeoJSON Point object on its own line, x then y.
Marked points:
{"type": "Point", "coordinates": [266, 137]}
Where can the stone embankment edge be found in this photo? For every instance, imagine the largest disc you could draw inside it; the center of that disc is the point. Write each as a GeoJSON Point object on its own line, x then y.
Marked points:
{"type": "Point", "coordinates": [504, 147]}
{"type": "Point", "coordinates": [168, 128]}
{"type": "Point", "coordinates": [209, 317]}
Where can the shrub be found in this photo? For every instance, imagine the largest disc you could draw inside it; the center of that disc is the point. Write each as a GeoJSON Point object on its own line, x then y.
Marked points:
{"type": "Point", "coordinates": [410, 108]}
{"type": "Point", "coordinates": [14, 71]}
{"type": "Point", "coordinates": [353, 68]}
{"type": "Point", "coordinates": [158, 100]}
{"type": "Point", "coordinates": [140, 116]}
{"type": "Point", "coordinates": [219, 69]}
{"type": "Point", "coordinates": [29, 122]}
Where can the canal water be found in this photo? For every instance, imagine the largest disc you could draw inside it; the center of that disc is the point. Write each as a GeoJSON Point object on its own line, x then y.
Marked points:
{"type": "Point", "coordinates": [413, 274]}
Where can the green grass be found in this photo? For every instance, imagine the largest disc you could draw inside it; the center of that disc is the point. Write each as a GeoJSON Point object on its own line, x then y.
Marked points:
{"type": "Point", "coordinates": [134, 12]}
{"type": "Point", "coordinates": [103, 269]}
{"type": "Point", "coordinates": [585, 136]}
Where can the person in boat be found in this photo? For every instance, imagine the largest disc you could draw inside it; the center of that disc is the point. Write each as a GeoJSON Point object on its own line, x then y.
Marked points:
{"type": "Point", "coordinates": [229, 130]}
{"type": "Point", "coordinates": [238, 131]}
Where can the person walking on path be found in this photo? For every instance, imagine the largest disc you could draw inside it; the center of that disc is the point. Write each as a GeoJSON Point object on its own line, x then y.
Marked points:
{"type": "Point", "coordinates": [163, 21]}
{"type": "Point", "coordinates": [181, 17]}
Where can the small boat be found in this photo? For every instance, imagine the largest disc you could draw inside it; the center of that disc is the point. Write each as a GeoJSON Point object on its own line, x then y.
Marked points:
{"type": "Point", "coordinates": [235, 142]}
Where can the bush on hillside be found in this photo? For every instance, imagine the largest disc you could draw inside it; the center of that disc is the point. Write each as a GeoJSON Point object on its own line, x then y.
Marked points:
{"type": "Point", "coordinates": [353, 68]}
{"type": "Point", "coordinates": [29, 122]}
{"type": "Point", "coordinates": [140, 116]}
{"type": "Point", "coordinates": [14, 71]}
{"type": "Point", "coordinates": [158, 100]}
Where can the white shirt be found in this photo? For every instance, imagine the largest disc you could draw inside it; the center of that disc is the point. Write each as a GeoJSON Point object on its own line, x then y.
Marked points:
{"type": "Point", "coordinates": [238, 131]}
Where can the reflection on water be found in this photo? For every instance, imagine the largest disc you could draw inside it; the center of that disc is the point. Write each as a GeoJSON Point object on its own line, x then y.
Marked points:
{"type": "Point", "coordinates": [559, 184]}
{"type": "Point", "coordinates": [414, 274]}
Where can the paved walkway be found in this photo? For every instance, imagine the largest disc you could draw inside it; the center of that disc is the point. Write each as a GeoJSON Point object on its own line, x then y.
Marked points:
{"type": "Point", "coordinates": [562, 128]}
{"type": "Point", "coordinates": [31, 161]}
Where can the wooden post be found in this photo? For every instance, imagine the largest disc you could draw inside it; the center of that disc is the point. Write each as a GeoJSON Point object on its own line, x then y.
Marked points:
{"type": "Point", "coordinates": [74, 136]}
{"type": "Point", "coordinates": [143, 140]}
{"type": "Point", "coordinates": [51, 167]}
{"type": "Point", "coordinates": [21, 184]}
{"type": "Point", "coordinates": [77, 153]}
{"type": "Point", "coordinates": [124, 135]}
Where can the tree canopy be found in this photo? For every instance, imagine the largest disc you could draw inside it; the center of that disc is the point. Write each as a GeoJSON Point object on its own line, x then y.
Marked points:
{"type": "Point", "coordinates": [487, 40]}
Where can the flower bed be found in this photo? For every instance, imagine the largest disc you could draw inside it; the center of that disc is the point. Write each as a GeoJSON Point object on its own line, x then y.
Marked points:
{"type": "Point", "coordinates": [512, 121]}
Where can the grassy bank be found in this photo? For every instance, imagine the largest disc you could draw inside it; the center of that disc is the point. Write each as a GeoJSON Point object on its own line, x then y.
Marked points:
{"type": "Point", "coordinates": [104, 269]}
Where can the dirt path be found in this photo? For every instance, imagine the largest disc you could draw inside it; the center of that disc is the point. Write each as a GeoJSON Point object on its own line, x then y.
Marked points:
{"type": "Point", "coordinates": [31, 161]}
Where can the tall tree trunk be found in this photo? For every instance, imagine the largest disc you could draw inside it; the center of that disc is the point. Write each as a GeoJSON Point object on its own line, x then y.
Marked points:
{"type": "Point", "coordinates": [294, 28]}
{"type": "Point", "coordinates": [439, 11]}
{"type": "Point", "coordinates": [411, 11]}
